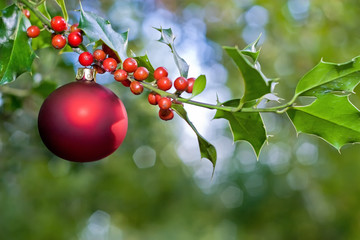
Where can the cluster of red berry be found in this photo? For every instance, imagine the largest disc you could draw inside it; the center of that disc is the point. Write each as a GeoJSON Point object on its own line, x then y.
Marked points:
{"type": "Point", "coordinates": [181, 84]}
{"type": "Point", "coordinates": [106, 60]}
{"type": "Point", "coordinates": [59, 25]}
{"type": "Point", "coordinates": [131, 75]}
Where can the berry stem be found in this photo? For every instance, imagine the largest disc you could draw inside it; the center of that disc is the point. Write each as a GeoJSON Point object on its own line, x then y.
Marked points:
{"type": "Point", "coordinates": [277, 109]}
{"type": "Point", "coordinates": [33, 8]}
{"type": "Point", "coordinates": [46, 22]}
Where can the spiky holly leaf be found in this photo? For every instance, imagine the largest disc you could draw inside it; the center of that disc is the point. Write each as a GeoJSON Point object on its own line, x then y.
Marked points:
{"type": "Point", "coordinates": [329, 77]}
{"type": "Point", "coordinates": [96, 28]}
{"type": "Point", "coordinates": [244, 126]}
{"type": "Point", "coordinates": [16, 54]}
{"type": "Point", "coordinates": [255, 83]}
{"type": "Point", "coordinates": [207, 150]}
{"type": "Point", "coordinates": [167, 37]}
{"type": "Point", "coordinates": [331, 117]}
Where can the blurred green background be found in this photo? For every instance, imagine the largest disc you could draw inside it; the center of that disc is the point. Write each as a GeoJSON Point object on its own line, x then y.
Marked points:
{"type": "Point", "coordinates": [155, 186]}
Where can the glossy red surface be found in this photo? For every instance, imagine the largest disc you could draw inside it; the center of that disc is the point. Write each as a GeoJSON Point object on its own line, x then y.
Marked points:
{"type": "Point", "coordinates": [82, 121]}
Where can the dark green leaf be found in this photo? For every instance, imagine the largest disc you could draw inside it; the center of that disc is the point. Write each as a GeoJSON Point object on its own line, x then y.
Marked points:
{"type": "Point", "coordinates": [330, 117]}
{"type": "Point", "coordinates": [97, 28]}
{"type": "Point", "coordinates": [61, 3]}
{"type": "Point", "coordinates": [167, 37]}
{"type": "Point", "coordinates": [254, 81]}
{"type": "Point", "coordinates": [326, 77]}
{"type": "Point", "coordinates": [244, 126]}
{"type": "Point", "coordinates": [199, 85]}
{"type": "Point", "coordinates": [144, 61]}
{"type": "Point", "coordinates": [16, 54]}
{"type": "Point", "coordinates": [207, 150]}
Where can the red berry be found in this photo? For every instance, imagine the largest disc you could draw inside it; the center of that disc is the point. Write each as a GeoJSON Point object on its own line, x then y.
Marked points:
{"type": "Point", "coordinates": [164, 103]}
{"type": "Point", "coordinates": [99, 55]}
{"type": "Point", "coordinates": [120, 75]}
{"type": "Point", "coordinates": [74, 28]}
{"type": "Point", "coordinates": [33, 31]}
{"type": "Point", "coordinates": [58, 41]}
{"type": "Point", "coordinates": [164, 83]}
{"type": "Point", "coordinates": [98, 69]}
{"type": "Point", "coordinates": [153, 98]}
{"type": "Point", "coordinates": [75, 39]}
{"type": "Point", "coordinates": [166, 114]}
{"type": "Point", "coordinates": [141, 73]}
{"type": "Point", "coordinates": [126, 83]}
{"type": "Point", "coordinates": [136, 87]}
{"type": "Point", "coordinates": [158, 97]}
{"type": "Point", "coordinates": [58, 24]}
{"type": "Point", "coordinates": [160, 72]}
{"type": "Point", "coordinates": [130, 65]}
{"type": "Point", "coordinates": [109, 64]}
{"type": "Point", "coordinates": [181, 84]}
{"type": "Point", "coordinates": [86, 59]}
{"type": "Point", "coordinates": [191, 81]}
{"type": "Point", "coordinates": [26, 12]}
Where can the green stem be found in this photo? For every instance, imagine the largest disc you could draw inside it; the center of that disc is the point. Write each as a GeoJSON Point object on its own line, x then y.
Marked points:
{"type": "Point", "coordinates": [239, 108]}
{"type": "Point", "coordinates": [277, 109]}
{"type": "Point", "coordinates": [33, 8]}
{"type": "Point", "coordinates": [205, 105]}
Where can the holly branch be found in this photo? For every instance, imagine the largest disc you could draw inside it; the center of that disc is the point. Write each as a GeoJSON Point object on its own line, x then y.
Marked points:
{"type": "Point", "coordinates": [329, 84]}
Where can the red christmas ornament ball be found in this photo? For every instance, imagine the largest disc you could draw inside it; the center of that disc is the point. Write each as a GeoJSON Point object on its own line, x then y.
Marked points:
{"type": "Point", "coordinates": [82, 121]}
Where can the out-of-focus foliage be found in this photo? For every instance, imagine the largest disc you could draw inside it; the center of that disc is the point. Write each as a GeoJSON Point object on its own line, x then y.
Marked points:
{"type": "Point", "coordinates": [155, 186]}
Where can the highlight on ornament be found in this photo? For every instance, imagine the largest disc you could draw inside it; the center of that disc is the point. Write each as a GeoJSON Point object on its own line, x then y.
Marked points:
{"type": "Point", "coordinates": [82, 121]}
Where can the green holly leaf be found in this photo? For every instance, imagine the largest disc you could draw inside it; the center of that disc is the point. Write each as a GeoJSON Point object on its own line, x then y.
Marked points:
{"type": "Point", "coordinates": [199, 86]}
{"type": "Point", "coordinates": [207, 150]}
{"type": "Point", "coordinates": [61, 3]}
{"type": "Point", "coordinates": [143, 61]}
{"type": "Point", "coordinates": [16, 54]}
{"type": "Point", "coordinates": [245, 126]}
{"type": "Point", "coordinates": [256, 84]}
{"type": "Point", "coordinates": [331, 117]}
{"type": "Point", "coordinates": [96, 28]}
{"type": "Point", "coordinates": [329, 77]}
{"type": "Point", "coordinates": [167, 37]}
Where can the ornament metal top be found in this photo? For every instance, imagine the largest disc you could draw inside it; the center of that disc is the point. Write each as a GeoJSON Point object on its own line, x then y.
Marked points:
{"type": "Point", "coordinates": [88, 74]}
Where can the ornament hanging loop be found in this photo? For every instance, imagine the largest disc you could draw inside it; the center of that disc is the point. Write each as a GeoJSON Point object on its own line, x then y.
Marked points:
{"type": "Point", "coordinates": [87, 74]}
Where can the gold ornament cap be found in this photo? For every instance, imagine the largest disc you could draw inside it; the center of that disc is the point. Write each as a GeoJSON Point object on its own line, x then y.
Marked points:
{"type": "Point", "coordinates": [87, 74]}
